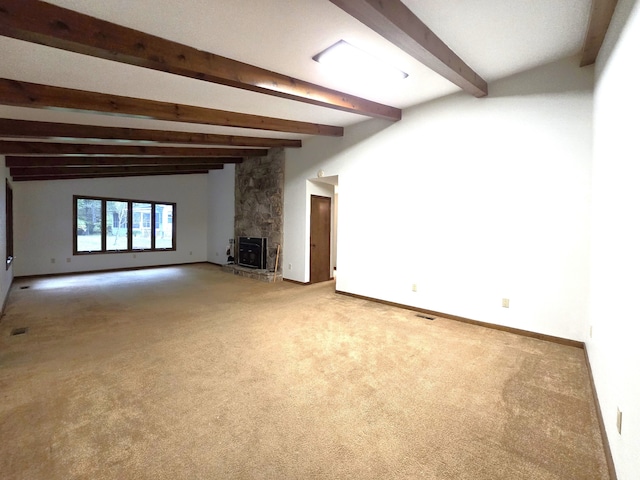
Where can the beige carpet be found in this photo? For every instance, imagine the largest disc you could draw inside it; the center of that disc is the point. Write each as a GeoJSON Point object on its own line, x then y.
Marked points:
{"type": "Point", "coordinates": [192, 373]}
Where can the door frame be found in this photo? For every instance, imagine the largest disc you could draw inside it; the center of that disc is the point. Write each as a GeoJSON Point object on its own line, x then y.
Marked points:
{"type": "Point", "coordinates": [328, 231]}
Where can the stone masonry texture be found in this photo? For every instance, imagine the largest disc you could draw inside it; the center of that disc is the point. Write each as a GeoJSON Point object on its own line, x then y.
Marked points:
{"type": "Point", "coordinates": [259, 201]}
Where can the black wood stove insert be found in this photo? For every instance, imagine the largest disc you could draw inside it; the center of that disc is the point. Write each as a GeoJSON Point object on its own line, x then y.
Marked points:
{"type": "Point", "coordinates": [252, 252]}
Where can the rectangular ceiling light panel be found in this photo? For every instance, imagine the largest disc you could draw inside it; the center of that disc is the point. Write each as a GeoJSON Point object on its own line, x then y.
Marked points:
{"type": "Point", "coordinates": [346, 59]}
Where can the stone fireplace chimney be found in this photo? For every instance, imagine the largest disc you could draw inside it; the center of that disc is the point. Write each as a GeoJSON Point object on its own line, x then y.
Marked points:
{"type": "Point", "coordinates": [259, 201]}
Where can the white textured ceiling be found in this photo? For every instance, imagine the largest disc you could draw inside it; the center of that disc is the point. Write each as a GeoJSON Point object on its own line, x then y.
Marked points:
{"type": "Point", "coordinates": [496, 38]}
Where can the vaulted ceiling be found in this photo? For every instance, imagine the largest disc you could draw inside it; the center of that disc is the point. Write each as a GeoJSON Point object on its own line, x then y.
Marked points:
{"type": "Point", "coordinates": [160, 87]}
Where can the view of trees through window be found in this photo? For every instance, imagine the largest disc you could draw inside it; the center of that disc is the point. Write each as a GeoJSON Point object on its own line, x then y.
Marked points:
{"type": "Point", "coordinates": [117, 225]}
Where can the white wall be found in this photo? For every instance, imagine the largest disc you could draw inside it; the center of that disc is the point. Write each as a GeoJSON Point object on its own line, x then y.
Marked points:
{"type": "Point", "coordinates": [44, 222]}
{"type": "Point", "coordinates": [613, 351]}
{"type": "Point", "coordinates": [221, 213]}
{"type": "Point", "coordinates": [473, 200]}
{"type": "Point", "coordinates": [301, 167]}
{"type": "Point", "coordinates": [6, 275]}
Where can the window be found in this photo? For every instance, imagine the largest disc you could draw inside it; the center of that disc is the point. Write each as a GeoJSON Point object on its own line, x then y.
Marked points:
{"type": "Point", "coordinates": [88, 225]}
{"type": "Point", "coordinates": [101, 225]}
{"type": "Point", "coordinates": [164, 225]}
{"type": "Point", "coordinates": [142, 227]}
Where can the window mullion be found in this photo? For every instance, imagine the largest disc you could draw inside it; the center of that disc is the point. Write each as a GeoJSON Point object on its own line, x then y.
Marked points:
{"type": "Point", "coordinates": [173, 226]}
{"type": "Point", "coordinates": [103, 233]}
{"type": "Point", "coordinates": [75, 224]}
{"type": "Point", "coordinates": [129, 225]}
{"type": "Point", "coordinates": [153, 226]}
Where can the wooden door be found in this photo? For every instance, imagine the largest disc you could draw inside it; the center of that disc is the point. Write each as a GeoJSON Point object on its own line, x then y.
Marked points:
{"type": "Point", "coordinates": [320, 257]}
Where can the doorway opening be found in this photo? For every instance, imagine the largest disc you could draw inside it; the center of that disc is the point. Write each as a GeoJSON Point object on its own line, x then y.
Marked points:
{"type": "Point", "coordinates": [322, 241]}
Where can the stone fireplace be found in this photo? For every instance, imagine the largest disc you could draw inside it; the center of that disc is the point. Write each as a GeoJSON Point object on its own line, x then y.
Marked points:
{"type": "Point", "coordinates": [259, 200]}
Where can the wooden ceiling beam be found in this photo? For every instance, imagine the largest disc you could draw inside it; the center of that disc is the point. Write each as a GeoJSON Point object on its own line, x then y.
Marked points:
{"type": "Point", "coordinates": [26, 162]}
{"type": "Point", "coordinates": [599, 20]}
{"type": "Point", "coordinates": [34, 95]}
{"type": "Point", "coordinates": [88, 176]}
{"type": "Point", "coordinates": [93, 170]}
{"type": "Point", "coordinates": [44, 148]}
{"type": "Point", "coordinates": [50, 130]}
{"type": "Point", "coordinates": [46, 24]}
{"type": "Point", "coordinates": [395, 22]}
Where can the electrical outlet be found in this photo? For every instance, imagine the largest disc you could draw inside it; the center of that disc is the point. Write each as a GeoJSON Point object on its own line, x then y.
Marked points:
{"type": "Point", "coordinates": [134, 255]}
{"type": "Point", "coordinates": [190, 253]}
{"type": "Point", "coordinates": [505, 303]}
{"type": "Point", "coordinates": [68, 260]}
{"type": "Point", "coordinates": [619, 421]}
{"type": "Point", "coordinates": [290, 266]}
{"type": "Point", "coordinates": [414, 287]}
{"type": "Point", "coordinates": [53, 260]}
